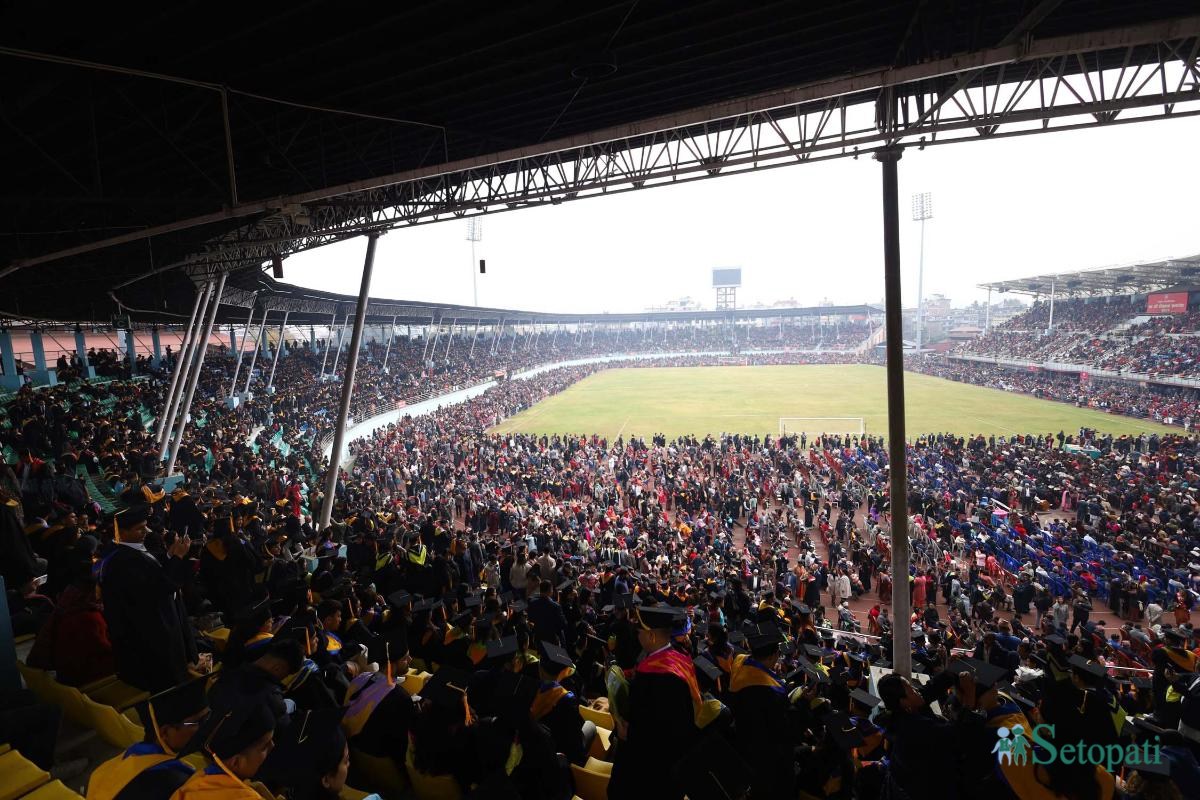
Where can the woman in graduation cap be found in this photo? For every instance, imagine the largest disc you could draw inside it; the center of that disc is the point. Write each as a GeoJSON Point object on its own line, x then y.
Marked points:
{"type": "Point", "coordinates": [311, 758]}
{"type": "Point", "coordinates": [150, 769]}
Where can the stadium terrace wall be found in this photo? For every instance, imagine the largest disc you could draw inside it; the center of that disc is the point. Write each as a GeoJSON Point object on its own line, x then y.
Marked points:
{"type": "Point", "coordinates": [365, 427]}
{"type": "Point", "coordinates": [1058, 366]}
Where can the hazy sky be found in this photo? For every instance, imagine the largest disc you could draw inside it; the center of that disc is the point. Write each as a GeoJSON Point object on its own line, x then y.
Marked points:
{"type": "Point", "coordinates": [1002, 209]}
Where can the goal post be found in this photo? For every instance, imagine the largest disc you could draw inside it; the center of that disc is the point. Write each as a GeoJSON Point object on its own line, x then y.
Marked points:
{"type": "Point", "coordinates": [818, 425]}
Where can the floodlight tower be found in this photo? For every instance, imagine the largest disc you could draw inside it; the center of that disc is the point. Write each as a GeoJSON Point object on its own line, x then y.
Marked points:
{"type": "Point", "coordinates": [922, 209]}
{"type": "Point", "coordinates": [474, 234]}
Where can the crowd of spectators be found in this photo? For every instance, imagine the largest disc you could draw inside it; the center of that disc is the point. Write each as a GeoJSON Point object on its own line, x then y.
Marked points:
{"type": "Point", "coordinates": [693, 593]}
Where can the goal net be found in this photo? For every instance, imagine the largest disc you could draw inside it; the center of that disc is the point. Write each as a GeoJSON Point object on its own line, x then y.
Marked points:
{"type": "Point", "coordinates": [737, 361]}
{"type": "Point", "coordinates": [817, 425]}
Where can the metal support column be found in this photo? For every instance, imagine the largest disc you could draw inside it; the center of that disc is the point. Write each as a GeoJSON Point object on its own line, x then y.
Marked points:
{"type": "Point", "coordinates": [278, 350]}
{"type": "Point", "coordinates": [328, 341]}
{"type": "Point", "coordinates": [450, 341]}
{"type": "Point", "coordinates": [194, 378]}
{"type": "Point", "coordinates": [437, 334]}
{"type": "Point", "coordinates": [471, 354]}
{"type": "Point", "coordinates": [187, 346]}
{"type": "Point", "coordinates": [1050, 327]}
{"type": "Point", "coordinates": [425, 344]}
{"type": "Point", "coordinates": [340, 340]}
{"type": "Point", "coordinates": [496, 337]}
{"type": "Point", "coordinates": [339, 434]}
{"type": "Point", "coordinates": [237, 370]}
{"type": "Point", "coordinates": [516, 336]}
{"type": "Point", "coordinates": [232, 340]}
{"type": "Point", "coordinates": [8, 360]}
{"type": "Point", "coordinates": [391, 335]}
{"type": "Point", "coordinates": [262, 329]}
{"type": "Point", "coordinates": [987, 314]}
{"type": "Point", "coordinates": [897, 450]}
{"type": "Point", "coordinates": [41, 374]}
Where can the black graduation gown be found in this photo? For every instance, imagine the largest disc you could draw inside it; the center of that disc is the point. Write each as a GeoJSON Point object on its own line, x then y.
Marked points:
{"type": "Point", "coordinates": [662, 731]}
{"type": "Point", "coordinates": [386, 730]}
{"type": "Point", "coordinates": [760, 719]}
{"type": "Point", "coordinates": [566, 728]}
{"type": "Point", "coordinates": [147, 623]}
{"type": "Point", "coordinates": [158, 783]}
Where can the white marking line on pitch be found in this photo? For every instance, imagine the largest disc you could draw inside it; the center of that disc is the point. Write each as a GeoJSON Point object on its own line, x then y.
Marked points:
{"type": "Point", "coordinates": [622, 428]}
{"type": "Point", "coordinates": [989, 422]}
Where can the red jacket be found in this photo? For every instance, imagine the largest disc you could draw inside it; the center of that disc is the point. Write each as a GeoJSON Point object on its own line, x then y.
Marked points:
{"type": "Point", "coordinates": [74, 641]}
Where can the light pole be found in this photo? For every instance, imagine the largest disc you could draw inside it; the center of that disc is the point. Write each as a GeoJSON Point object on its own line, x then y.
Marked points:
{"type": "Point", "coordinates": [474, 234]}
{"type": "Point", "coordinates": [922, 209]}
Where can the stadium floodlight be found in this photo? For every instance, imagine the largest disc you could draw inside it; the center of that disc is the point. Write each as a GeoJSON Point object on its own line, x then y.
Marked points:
{"type": "Point", "coordinates": [474, 234]}
{"type": "Point", "coordinates": [922, 209]}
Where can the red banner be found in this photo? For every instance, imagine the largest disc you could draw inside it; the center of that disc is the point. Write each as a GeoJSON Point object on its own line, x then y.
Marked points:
{"type": "Point", "coordinates": [1167, 303]}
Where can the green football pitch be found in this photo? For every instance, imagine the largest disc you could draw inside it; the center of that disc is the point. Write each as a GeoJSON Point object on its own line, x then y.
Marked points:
{"type": "Point", "coordinates": [703, 400]}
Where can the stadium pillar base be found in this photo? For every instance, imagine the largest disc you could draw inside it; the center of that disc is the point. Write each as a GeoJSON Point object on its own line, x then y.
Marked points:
{"type": "Point", "coordinates": [89, 372]}
{"type": "Point", "coordinates": [41, 375]}
{"type": "Point", "coordinates": [339, 433]}
{"type": "Point", "coordinates": [897, 455]}
{"type": "Point", "coordinates": [10, 380]}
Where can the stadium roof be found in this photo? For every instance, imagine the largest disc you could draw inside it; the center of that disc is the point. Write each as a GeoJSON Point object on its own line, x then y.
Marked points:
{"type": "Point", "coordinates": [1130, 279]}
{"type": "Point", "coordinates": [135, 141]}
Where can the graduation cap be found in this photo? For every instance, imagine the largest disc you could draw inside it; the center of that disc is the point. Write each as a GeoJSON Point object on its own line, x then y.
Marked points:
{"type": "Point", "coordinates": [1055, 639]}
{"type": "Point", "coordinates": [307, 750]}
{"type": "Point", "coordinates": [565, 585]}
{"type": "Point", "coordinates": [400, 600]}
{"type": "Point", "coordinates": [811, 670]}
{"type": "Point", "coordinates": [987, 676]}
{"type": "Point", "coordinates": [389, 645]}
{"type": "Point", "coordinates": [659, 617]}
{"type": "Point", "coordinates": [463, 619]}
{"type": "Point", "coordinates": [472, 602]}
{"type": "Point", "coordinates": [623, 601]}
{"type": "Point", "coordinates": [500, 651]}
{"type": "Point", "coordinates": [447, 688]}
{"type": "Point", "coordinates": [814, 651]}
{"type": "Point", "coordinates": [1091, 669]}
{"type": "Point", "coordinates": [764, 639]}
{"type": "Point", "coordinates": [256, 615]}
{"type": "Point", "coordinates": [843, 731]}
{"type": "Point", "coordinates": [706, 668]}
{"type": "Point", "coordinates": [1141, 683]}
{"type": "Point", "coordinates": [229, 731]}
{"type": "Point", "coordinates": [128, 518]}
{"type": "Point", "coordinates": [801, 608]}
{"type": "Point", "coordinates": [517, 606]}
{"type": "Point", "coordinates": [513, 695]}
{"type": "Point", "coordinates": [1018, 697]}
{"type": "Point", "coordinates": [429, 604]}
{"type": "Point", "coordinates": [556, 661]}
{"type": "Point", "coordinates": [865, 699]}
{"type": "Point", "coordinates": [175, 706]}
{"type": "Point", "coordinates": [713, 770]}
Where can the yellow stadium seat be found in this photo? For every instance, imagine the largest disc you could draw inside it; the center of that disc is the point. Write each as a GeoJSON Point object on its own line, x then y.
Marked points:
{"type": "Point", "coordinates": [590, 785]}
{"type": "Point", "coordinates": [603, 719]}
{"type": "Point", "coordinates": [20, 775]}
{"type": "Point", "coordinates": [113, 726]}
{"type": "Point", "coordinates": [98, 684]}
{"type": "Point", "coordinates": [24, 637]}
{"type": "Point", "coordinates": [54, 790]}
{"type": "Point", "coordinates": [118, 694]}
{"type": "Point", "coordinates": [599, 748]}
{"type": "Point", "coordinates": [431, 787]}
{"type": "Point", "coordinates": [70, 700]}
{"type": "Point", "coordinates": [603, 767]}
{"type": "Point", "coordinates": [377, 773]}
{"type": "Point", "coordinates": [4, 748]}
{"type": "Point", "coordinates": [262, 790]}
{"type": "Point", "coordinates": [37, 681]}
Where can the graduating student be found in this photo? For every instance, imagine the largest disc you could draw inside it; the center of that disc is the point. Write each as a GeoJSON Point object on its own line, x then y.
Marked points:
{"type": "Point", "coordinates": [557, 707]}
{"type": "Point", "coordinates": [237, 740]}
{"type": "Point", "coordinates": [758, 698]}
{"type": "Point", "coordinates": [147, 622]}
{"type": "Point", "coordinates": [379, 712]}
{"type": "Point", "coordinates": [150, 769]}
{"type": "Point", "coordinates": [663, 699]}
{"type": "Point", "coordinates": [311, 757]}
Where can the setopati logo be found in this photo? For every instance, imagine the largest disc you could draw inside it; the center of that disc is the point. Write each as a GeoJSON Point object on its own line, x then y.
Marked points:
{"type": "Point", "coordinates": [1015, 748]}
